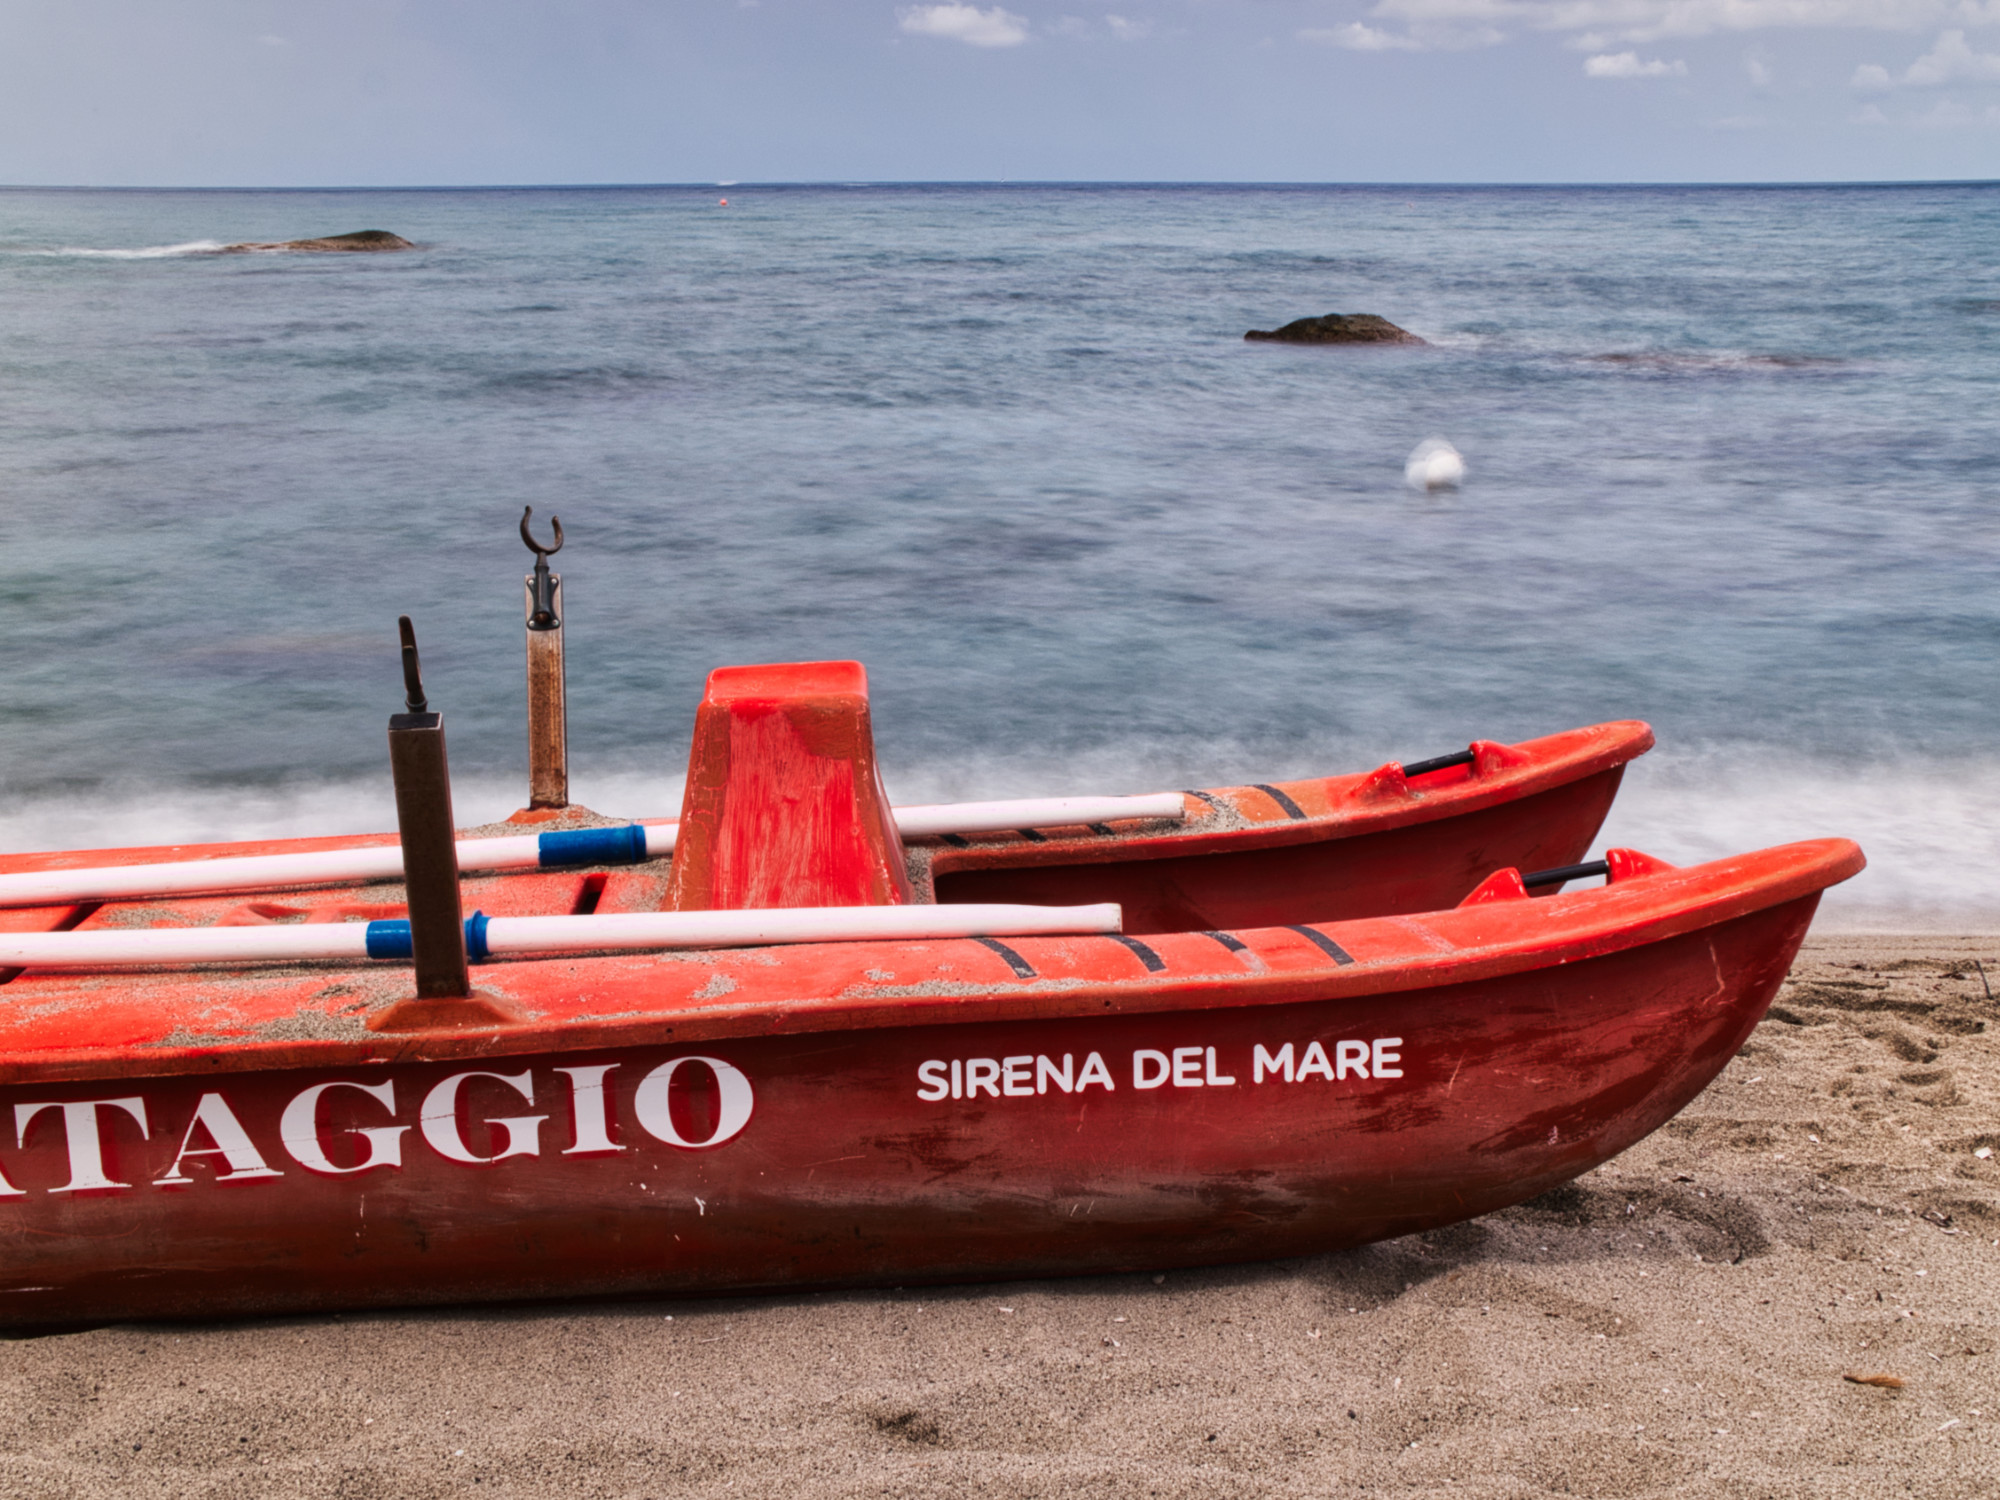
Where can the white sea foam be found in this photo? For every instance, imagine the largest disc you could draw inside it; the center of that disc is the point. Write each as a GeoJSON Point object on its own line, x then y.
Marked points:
{"type": "Point", "coordinates": [1931, 830]}
{"type": "Point", "coordinates": [135, 814]}
{"type": "Point", "coordinates": [143, 252]}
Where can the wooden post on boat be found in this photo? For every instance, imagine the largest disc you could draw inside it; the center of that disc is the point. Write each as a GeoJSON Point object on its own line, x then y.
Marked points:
{"type": "Point", "coordinates": [548, 726]}
{"type": "Point", "coordinates": [430, 847]}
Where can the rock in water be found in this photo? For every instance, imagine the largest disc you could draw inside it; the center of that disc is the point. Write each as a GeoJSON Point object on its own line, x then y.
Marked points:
{"type": "Point", "coordinates": [1434, 465]}
{"type": "Point", "coordinates": [361, 239]}
{"type": "Point", "coordinates": [1337, 328]}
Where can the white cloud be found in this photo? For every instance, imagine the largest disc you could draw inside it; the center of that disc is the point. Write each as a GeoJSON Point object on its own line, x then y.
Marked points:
{"type": "Point", "coordinates": [967, 23]}
{"type": "Point", "coordinates": [1456, 10]}
{"type": "Point", "coordinates": [1128, 31]}
{"type": "Point", "coordinates": [1950, 114]}
{"type": "Point", "coordinates": [1950, 60]}
{"type": "Point", "coordinates": [1652, 20]}
{"type": "Point", "coordinates": [1761, 76]}
{"type": "Point", "coordinates": [1627, 65]}
{"type": "Point", "coordinates": [1358, 38]}
{"type": "Point", "coordinates": [1420, 38]}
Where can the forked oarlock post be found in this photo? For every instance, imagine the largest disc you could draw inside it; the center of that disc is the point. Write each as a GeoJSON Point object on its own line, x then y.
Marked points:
{"type": "Point", "coordinates": [548, 729]}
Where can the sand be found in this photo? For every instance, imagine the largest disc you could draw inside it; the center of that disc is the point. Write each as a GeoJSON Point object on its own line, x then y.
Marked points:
{"type": "Point", "coordinates": [1677, 1323]}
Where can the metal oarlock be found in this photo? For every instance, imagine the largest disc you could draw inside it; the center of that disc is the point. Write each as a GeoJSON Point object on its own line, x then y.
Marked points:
{"type": "Point", "coordinates": [548, 729]}
{"type": "Point", "coordinates": [430, 841]}
{"type": "Point", "coordinates": [1418, 768]}
{"type": "Point", "coordinates": [1564, 873]}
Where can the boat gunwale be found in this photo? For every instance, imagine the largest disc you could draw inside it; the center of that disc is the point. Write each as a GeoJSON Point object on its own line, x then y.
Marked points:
{"type": "Point", "coordinates": [1618, 742]}
{"type": "Point", "coordinates": [1564, 929]}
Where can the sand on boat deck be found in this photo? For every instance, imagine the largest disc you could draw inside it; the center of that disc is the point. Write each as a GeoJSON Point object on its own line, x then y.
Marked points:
{"type": "Point", "coordinates": [1679, 1322]}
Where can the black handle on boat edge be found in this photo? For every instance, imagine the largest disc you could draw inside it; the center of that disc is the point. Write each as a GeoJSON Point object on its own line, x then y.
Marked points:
{"type": "Point", "coordinates": [1440, 763]}
{"type": "Point", "coordinates": [413, 676]}
{"type": "Point", "coordinates": [1567, 872]}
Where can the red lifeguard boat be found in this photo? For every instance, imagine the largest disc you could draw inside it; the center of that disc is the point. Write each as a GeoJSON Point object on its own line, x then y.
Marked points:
{"type": "Point", "coordinates": [1281, 1052]}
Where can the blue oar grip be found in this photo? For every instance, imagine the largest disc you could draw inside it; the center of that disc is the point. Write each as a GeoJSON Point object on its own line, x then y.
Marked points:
{"type": "Point", "coordinates": [625, 845]}
{"type": "Point", "coordinates": [389, 940]}
{"type": "Point", "coordinates": [392, 939]}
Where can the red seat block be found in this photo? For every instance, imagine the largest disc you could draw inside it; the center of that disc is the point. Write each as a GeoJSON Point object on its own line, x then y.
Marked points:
{"type": "Point", "coordinates": [784, 804]}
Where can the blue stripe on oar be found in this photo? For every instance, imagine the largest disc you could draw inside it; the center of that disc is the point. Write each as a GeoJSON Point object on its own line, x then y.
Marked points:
{"type": "Point", "coordinates": [594, 846]}
{"type": "Point", "coordinates": [392, 939]}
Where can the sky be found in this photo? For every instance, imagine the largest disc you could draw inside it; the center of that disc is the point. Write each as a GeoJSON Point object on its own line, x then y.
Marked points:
{"type": "Point", "coordinates": [306, 93]}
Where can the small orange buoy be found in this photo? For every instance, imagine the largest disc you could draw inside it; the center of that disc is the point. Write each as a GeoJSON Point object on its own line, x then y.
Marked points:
{"type": "Point", "coordinates": [724, 203]}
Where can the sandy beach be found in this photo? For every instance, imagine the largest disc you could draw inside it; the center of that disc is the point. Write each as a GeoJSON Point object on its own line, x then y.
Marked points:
{"type": "Point", "coordinates": [1683, 1321]}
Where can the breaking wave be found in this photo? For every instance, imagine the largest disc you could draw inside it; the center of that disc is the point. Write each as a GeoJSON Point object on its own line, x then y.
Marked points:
{"type": "Point", "coordinates": [1684, 363]}
{"type": "Point", "coordinates": [144, 252]}
{"type": "Point", "coordinates": [1931, 829]}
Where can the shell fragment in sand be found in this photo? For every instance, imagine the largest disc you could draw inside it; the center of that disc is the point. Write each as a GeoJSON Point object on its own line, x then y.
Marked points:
{"type": "Point", "coordinates": [1886, 1381]}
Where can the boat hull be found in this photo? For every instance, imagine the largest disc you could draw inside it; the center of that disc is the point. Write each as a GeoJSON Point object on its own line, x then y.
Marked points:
{"type": "Point", "coordinates": [815, 1158]}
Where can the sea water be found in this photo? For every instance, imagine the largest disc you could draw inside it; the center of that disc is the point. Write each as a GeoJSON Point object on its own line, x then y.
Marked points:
{"type": "Point", "coordinates": [1732, 468]}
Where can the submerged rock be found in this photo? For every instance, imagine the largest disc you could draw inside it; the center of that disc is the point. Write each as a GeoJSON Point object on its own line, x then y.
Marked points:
{"type": "Point", "coordinates": [1337, 328]}
{"type": "Point", "coordinates": [361, 239]}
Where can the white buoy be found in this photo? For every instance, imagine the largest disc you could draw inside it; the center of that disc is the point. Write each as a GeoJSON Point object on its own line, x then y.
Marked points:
{"type": "Point", "coordinates": [1434, 465]}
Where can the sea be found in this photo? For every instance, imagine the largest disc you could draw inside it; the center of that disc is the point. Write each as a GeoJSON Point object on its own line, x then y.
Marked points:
{"type": "Point", "coordinates": [1732, 466]}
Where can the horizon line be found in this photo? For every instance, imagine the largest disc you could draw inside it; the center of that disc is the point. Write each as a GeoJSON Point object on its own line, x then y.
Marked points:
{"type": "Point", "coordinates": [1001, 182]}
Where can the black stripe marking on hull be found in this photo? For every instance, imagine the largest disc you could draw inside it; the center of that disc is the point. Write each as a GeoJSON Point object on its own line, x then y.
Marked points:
{"type": "Point", "coordinates": [1153, 962]}
{"type": "Point", "coordinates": [1021, 967]}
{"type": "Point", "coordinates": [1292, 809]}
{"type": "Point", "coordinates": [1320, 941]}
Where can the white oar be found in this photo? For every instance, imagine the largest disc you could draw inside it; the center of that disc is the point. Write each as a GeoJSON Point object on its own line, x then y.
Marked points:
{"type": "Point", "coordinates": [631, 843]}
{"type": "Point", "coordinates": [490, 935]}
{"type": "Point", "coordinates": [933, 819]}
